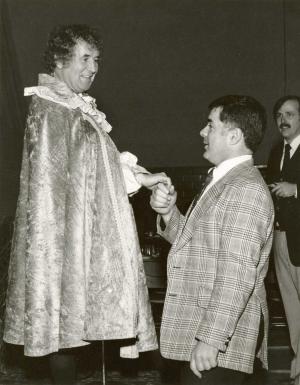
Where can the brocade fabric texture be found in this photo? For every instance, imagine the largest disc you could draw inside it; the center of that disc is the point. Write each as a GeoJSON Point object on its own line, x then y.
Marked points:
{"type": "Point", "coordinates": [76, 271]}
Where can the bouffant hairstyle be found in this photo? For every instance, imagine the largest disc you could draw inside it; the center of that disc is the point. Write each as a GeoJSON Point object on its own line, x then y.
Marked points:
{"type": "Point", "coordinates": [62, 41]}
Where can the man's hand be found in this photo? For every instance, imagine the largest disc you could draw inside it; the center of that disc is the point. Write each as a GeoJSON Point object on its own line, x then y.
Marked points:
{"type": "Point", "coordinates": [163, 199]}
{"type": "Point", "coordinates": [283, 189]}
{"type": "Point", "coordinates": [151, 180]}
{"type": "Point", "coordinates": [204, 357]}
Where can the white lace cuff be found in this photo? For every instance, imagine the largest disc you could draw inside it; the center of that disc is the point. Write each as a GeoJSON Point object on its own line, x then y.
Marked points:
{"type": "Point", "coordinates": [130, 168]}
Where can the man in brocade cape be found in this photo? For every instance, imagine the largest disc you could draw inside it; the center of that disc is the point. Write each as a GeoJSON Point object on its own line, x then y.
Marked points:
{"type": "Point", "coordinates": [76, 271]}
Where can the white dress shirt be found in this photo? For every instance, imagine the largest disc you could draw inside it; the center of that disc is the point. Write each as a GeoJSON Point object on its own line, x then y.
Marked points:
{"type": "Point", "coordinates": [294, 145]}
{"type": "Point", "coordinates": [224, 167]}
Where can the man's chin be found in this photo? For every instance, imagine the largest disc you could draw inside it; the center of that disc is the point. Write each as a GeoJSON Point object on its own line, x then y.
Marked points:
{"type": "Point", "coordinates": [86, 89]}
{"type": "Point", "coordinates": [206, 156]}
{"type": "Point", "coordinates": [284, 131]}
{"type": "Point", "coordinates": [86, 86]}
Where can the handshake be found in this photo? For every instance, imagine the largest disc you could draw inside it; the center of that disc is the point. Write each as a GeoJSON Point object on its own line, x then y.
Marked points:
{"type": "Point", "coordinates": [163, 196]}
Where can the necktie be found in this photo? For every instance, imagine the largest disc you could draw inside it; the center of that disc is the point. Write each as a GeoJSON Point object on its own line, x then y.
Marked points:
{"type": "Point", "coordinates": [286, 158]}
{"type": "Point", "coordinates": [207, 181]}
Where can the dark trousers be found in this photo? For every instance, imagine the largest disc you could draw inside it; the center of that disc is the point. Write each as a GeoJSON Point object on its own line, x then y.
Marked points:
{"type": "Point", "coordinates": [215, 376]}
{"type": "Point", "coordinates": [63, 367]}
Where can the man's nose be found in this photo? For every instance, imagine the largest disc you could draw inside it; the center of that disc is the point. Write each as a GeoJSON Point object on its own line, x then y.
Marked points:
{"type": "Point", "coordinates": [203, 132]}
{"type": "Point", "coordinates": [93, 66]}
{"type": "Point", "coordinates": [282, 119]}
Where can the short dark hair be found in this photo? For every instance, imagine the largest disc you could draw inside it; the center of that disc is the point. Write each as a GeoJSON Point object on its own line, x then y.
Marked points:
{"type": "Point", "coordinates": [63, 39]}
{"type": "Point", "coordinates": [282, 100]}
{"type": "Point", "coordinates": [246, 113]}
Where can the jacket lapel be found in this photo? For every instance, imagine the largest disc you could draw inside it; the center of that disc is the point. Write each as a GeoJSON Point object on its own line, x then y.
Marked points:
{"type": "Point", "coordinates": [209, 200]}
{"type": "Point", "coordinates": [278, 156]}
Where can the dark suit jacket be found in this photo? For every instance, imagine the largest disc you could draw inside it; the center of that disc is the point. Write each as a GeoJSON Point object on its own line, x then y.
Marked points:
{"type": "Point", "coordinates": [287, 209]}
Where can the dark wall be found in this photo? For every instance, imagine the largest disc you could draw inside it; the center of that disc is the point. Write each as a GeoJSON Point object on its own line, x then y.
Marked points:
{"type": "Point", "coordinates": [166, 59]}
{"type": "Point", "coordinates": [12, 116]}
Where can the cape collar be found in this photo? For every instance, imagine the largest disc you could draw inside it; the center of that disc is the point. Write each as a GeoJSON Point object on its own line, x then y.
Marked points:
{"type": "Point", "coordinates": [57, 91]}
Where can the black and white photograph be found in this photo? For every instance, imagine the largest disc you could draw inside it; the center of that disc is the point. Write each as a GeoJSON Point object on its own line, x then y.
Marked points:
{"type": "Point", "coordinates": [150, 192]}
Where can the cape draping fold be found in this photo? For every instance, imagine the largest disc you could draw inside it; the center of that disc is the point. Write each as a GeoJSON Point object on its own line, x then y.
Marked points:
{"type": "Point", "coordinates": [132, 278]}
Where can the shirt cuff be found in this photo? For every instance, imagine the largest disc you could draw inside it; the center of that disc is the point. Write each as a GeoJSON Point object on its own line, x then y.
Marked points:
{"type": "Point", "coordinates": [130, 169]}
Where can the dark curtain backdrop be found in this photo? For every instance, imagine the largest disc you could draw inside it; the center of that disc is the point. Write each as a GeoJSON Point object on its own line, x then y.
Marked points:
{"type": "Point", "coordinates": [11, 138]}
{"type": "Point", "coordinates": [11, 118]}
{"type": "Point", "coordinates": [164, 61]}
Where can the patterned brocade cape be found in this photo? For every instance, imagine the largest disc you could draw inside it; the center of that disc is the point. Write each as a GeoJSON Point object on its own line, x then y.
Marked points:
{"type": "Point", "coordinates": [76, 271]}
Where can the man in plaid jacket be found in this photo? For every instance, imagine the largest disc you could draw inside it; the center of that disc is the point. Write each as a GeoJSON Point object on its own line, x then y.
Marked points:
{"type": "Point", "coordinates": [215, 314]}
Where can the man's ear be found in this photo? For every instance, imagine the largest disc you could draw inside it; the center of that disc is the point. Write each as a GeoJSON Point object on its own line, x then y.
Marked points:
{"type": "Point", "coordinates": [235, 135]}
{"type": "Point", "coordinates": [59, 63]}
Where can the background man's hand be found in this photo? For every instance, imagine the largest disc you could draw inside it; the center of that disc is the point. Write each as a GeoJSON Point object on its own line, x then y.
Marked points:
{"type": "Point", "coordinates": [204, 357]}
{"type": "Point", "coordinates": [283, 189]}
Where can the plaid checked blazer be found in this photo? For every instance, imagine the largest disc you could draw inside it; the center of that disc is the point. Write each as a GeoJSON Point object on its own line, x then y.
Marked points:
{"type": "Point", "coordinates": [216, 269]}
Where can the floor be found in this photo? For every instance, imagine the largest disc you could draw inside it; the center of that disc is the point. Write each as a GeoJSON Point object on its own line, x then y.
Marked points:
{"type": "Point", "coordinates": [140, 377]}
{"type": "Point", "coordinates": [112, 378]}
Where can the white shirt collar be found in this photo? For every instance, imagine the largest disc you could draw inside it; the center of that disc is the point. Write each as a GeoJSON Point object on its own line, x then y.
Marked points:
{"type": "Point", "coordinates": [227, 165]}
{"type": "Point", "coordinates": [294, 144]}
{"type": "Point", "coordinates": [223, 168]}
